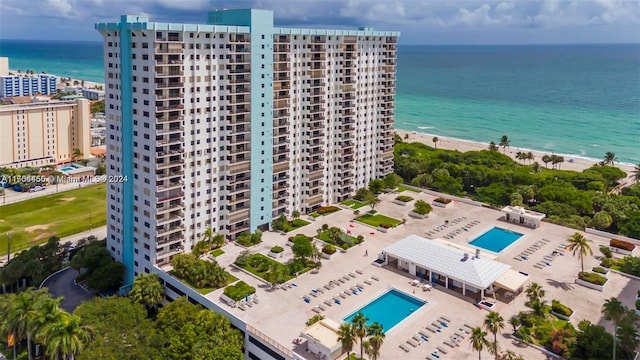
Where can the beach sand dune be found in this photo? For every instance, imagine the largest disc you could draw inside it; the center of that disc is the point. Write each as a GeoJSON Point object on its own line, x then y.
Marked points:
{"type": "Point", "coordinates": [571, 163]}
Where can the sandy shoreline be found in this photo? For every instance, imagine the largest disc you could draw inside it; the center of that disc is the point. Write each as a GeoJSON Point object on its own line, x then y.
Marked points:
{"type": "Point", "coordinates": [576, 164]}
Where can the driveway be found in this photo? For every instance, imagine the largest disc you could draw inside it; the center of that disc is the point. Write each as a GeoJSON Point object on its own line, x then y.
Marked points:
{"type": "Point", "coordinates": [61, 284]}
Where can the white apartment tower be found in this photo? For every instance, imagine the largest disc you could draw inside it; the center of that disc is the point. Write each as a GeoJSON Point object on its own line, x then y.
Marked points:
{"type": "Point", "coordinates": [229, 124]}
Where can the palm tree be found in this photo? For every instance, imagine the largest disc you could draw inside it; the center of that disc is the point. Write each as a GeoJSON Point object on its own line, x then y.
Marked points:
{"type": "Point", "coordinates": [376, 335]}
{"type": "Point", "coordinates": [208, 235]}
{"type": "Point", "coordinates": [65, 336]}
{"type": "Point", "coordinates": [520, 155]}
{"type": "Point", "coordinates": [535, 167]}
{"type": "Point", "coordinates": [546, 159]}
{"type": "Point", "coordinates": [514, 321]}
{"type": "Point", "coordinates": [493, 146]}
{"type": "Point", "coordinates": [295, 214]}
{"type": "Point", "coordinates": [579, 244]}
{"type": "Point", "coordinates": [218, 240]}
{"type": "Point", "coordinates": [636, 174]}
{"type": "Point", "coordinates": [346, 337]}
{"type": "Point", "coordinates": [511, 355]}
{"type": "Point", "coordinates": [76, 155]}
{"type": "Point", "coordinates": [493, 322]}
{"type": "Point", "coordinates": [613, 310]}
{"type": "Point", "coordinates": [504, 142]}
{"type": "Point", "coordinates": [23, 315]}
{"type": "Point", "coordinates": [534, 292]}
{"type": "Point", "coordinates": [610, 158]}
{"type": "Point", "coordinates": [359, 323]}
{"type": "Point", "coordinates": [334, 234]}
{"type": "Point", "coordinates": [435, 141]}
{"type": "Point", "coordinates": [147, 290]}
{"type": "Point", "coordinates": [276, 275]}
{"type": "Point", "coordinates": [406, 136]}
{"type": "Point", "coordinates": [478, 340]}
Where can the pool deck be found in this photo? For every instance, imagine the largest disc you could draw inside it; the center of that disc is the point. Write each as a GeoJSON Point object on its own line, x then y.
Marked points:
{"type": "Point", "coordinates": [281, 314]}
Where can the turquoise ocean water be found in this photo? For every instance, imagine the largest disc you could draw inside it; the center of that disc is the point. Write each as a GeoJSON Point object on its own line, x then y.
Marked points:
{"type": "Point", "coordinates": [579, 100]}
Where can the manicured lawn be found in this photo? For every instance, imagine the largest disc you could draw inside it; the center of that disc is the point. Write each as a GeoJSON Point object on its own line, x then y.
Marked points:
{"type": "Point", "coordinates": [33, 221]}
{"type": "Point", "coordinates": [402, 188]}
{"type": "Point", "coordinates": [205, 290]}
{"type": "Point", "coordinates": [377, 219]}
{"type": "Point", "coordinates": [216, 252]}
{"type": "Point", "coordinates": [353, 203]}
{"type": "Point", "coordinates": [315, 215]}
{"type": "Point", "coordinates": [295, 224]}
{"type": "Point", "coordinates": [259, 265]}
{"type": "Point", "coordinates": [345, 239]}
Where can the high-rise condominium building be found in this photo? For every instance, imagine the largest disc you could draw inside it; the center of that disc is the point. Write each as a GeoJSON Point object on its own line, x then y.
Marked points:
{"type": "Point", "coordinates": [44, 133]}
{"type": "Point", "coordinates": [28, 85]}
{"type": "Point", "coordinates": [226, 125]}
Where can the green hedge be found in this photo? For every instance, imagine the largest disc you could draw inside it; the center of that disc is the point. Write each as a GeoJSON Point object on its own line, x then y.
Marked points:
{"type": "Point", "coordinates": [592, 278]}
{"type": "Point", "coordinates": [599, 270]}
{"type": "Point", "coordinates": [442, 200]}
{"type": "Point", "coordinates": [561, 309]}
{"type": "Point", "coordinates": [637, 304]}
{"type": "Point", "coordinates": [326, 210]}
{"type": "Point", "coordinates": [239, 291]}
{"type": "Point", "coordinates": [277, 249]}
{"type": "Point", "coordinates": [404, 198]}
{"type": "Point", "coordinates": [329, 249]}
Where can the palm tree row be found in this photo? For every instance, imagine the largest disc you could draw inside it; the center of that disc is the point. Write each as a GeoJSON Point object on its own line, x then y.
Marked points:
{"type": "Point", "coordinates": [358, 329]}
{"type": "Point", "coordinates": [493, 323]}
{"type": "Point", "coordinates": [553, 159]}
{"type": "Point", "coordinates": [521, 155]}
{"type": "Point", "coordinates": [35, 316]}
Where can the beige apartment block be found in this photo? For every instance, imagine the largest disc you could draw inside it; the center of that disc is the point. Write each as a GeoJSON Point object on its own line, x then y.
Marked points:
{"type": "Point", "coordinates": [44, 133]}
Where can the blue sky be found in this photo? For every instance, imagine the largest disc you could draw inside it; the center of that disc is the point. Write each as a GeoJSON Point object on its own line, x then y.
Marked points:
{"type": "Point", "coordinates": [420, 21]}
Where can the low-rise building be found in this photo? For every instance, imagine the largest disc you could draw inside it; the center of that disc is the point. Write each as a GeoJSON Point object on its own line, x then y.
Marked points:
{"type": "Point", "coordinates": [26, 85]}
{"type": "Point", "coordinates": [44, 133]}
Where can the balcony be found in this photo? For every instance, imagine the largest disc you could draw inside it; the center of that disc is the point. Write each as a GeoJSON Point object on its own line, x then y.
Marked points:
{"type": "Point", "coordinates": [237, 110]}
{"type": "Point", "coordinates": [241, 167]}
{"type": "Point", "coordinates": [168, 107]}
{"type": "Point", "coordinates": [169, 185]}
{"type": "Point", "coordinates": [239, 80]}
{"type": "Point", "coordinates": [281, 167]}
{"type": "Point", "coordinates": [168, 218]}
{"type": "Point", "coordinates": [235, 38]}
{"type": "Point", "coordinates": [173, 161]}
{"type": "Point", "coordinates": [316, 175]}
{"type": "Point", "coordinates": [170, 130]}
{"type": "Point", "coordinates": [165, 73]}
{"type": "Point", "coordinates": [239, 215]}
{"type": "Point", "coordinates": [314, 200]}
{"type": "Point", "coordinates": [168, 37]}
{"type": "Point", "coordinates": [170, 140]}
{"type": "Point", "coordinates": [168, 48]}
{"type": "Point", "coordinates": [239, 59]}
{"type": "Point", "coordinates": [165, 196]}
{"type": "Point", "coordinates": [160, 62]}
{"type": "Point", "coordinates": [168, 174]}
{"type": "Point", "coordinates": [164, 118]}
{"type": "Point", "coordinates": [172, 250]}
{"type": "Point", "coordinates": [171, 95]}
{"type": "Point", "coordinates": [164, 208]}
{"type": "Point", "coordinates": [282, 48]}
{"type": "Point", "coordinates": [169, 85]}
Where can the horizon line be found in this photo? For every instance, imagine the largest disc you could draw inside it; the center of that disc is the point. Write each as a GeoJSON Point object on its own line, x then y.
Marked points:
{"type": "Point", "coordinates": [399, 44]}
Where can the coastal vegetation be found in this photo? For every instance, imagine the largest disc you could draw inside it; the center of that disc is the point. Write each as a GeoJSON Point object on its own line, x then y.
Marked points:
{"type": "Point", "coordinates": [31, 222]}
{"type": "Point", "coordinates": [576, 199]}
{"type": "Point", "coordinates": [95, 265]}
{"type": "Point", "coordinates": [31, 267]}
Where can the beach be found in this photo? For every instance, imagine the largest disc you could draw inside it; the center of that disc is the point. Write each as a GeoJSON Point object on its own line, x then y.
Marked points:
{"type": "Point", "coordinates": [571, 162]}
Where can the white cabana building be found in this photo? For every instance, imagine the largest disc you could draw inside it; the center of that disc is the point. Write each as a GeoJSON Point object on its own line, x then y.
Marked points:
{"type": "Point", "coordinates": [322, 339]}
{"type": "Point", "coordinates": [521, 216]}
{"type": "Point", "coordinates": [467, 273]}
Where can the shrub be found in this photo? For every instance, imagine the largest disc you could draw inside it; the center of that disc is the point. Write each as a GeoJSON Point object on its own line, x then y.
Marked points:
{"type": "Point", "coordinates": [621, 244]}
{"type": "Point", "coordinates": [599, 270]}
{"type": "Point", "coordinates": [561, 309]}
{"type": "Point", "coordinates": [442, 200]}
{"type": "Point", "coordinates": [314, 319]}
{"type": "Point", "coordinates": [422, 207]}
{"type": "Point", "coordinates": [277, 249]}
{"type": "Point", "coordinates": [239, 291]}
{"type": "Point", "coordinates": [386, 225]}
{"type": "Point", "coordinates": [638, 304]}
{"type": "Point", "coordinates": [606, 251]}
{"type": "Point", "coordinates": [329, 249]}
{"type": "Point", "coordinates": [592, 278]}
{"type": "Point", "coordinates": [327, 210]}
{"type": "Point", "coordinates": [404, 198]}
{"type": "Point", "coordinates": [638, 294]}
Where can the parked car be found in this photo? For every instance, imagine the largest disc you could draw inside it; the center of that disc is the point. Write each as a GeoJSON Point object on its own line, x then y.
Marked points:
{"type": "Point", "coordinates": [37, 188]}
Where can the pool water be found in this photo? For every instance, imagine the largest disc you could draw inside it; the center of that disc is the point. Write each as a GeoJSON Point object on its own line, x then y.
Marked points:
{"type": "Point", "coordinates": [67, 169]}
{"type": "Point", "coordinates": [388, 309]}
{"type": "Point", "coordinates": [496, 239]}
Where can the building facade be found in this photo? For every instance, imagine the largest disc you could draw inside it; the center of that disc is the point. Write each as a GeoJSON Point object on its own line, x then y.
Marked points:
{"type": "Point", "coordinates": [28, 85]}
{"type": "Point", "coordinates": [44, 133]}
{"type": "Point", "coordinates": [229, 124]}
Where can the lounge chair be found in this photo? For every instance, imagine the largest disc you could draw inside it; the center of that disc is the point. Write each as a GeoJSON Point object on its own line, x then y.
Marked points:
{"type": "Point", "coordinates": [517, 258]}
{"type": "Point", "coordinates": [449, 344]}
{"type": "Point", "coordinates": [327, 302]}
{"type": "Point", "coordinates": [436, 325]}
{"type": "Point", "coordinates": [412, 342]}
{"type": "Point", "coordinates": [445, 318]}
{"type": "Point", "coordinates": [321, 307]}
{"type": "Point", "coordinates": [375, 278]}
{"type": "Point", "coordinates": [352, 275]}
{"type": "Point", "coordinates": [346, 278]}
{"type": "Point", "coordinates": [537, 266]}
{"type": "Point", "coordinates": [441, 349]}
{"type": "Point", "coordinates": [461, 334]}
{"type": "Point", "coordinates": [242, 307]}
{"type": "Point", "coordinates": [404, 347]}
{"type": "Point", "coordinates": [464, 330]}
{"type": "Point", "coordinates": [346, 293]}
{"type": "Point", "coordinates": [343, 295]}
{"type": "Point", "coordinates": [423, 333]}
{"type": "Point", "coordinates": [417, 338]}
{"type": "Point", "coordinates": [368, 282]}
{"type": "Point", "coordinates": [248, 303]}
{"type": "Point", "coordinates": [432, 328]}
{"type": "Point", "coordinates": [313, 294]}
{"type": "Point", "coordinates": [341, 280]}
{"type": "Point", "coordinates": [429, 357]}
{"type": "Point", "coordinates": [359, 271]}
{"type": "Point", "coordinates": [255, 300]}
{"type": "Point", "coordinates": [327, 287]}
{"type": "Point", "coordinates": [316, 310]}
{"type": "Point", "coordinates": [468, 326]}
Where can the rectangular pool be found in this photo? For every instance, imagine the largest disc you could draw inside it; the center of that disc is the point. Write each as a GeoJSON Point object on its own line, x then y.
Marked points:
{"type": "Point", "coordinates": [65, 169]}
{"type": "Point", "coordinates": [389, 309]}
{"type": "Point", "coordinates": [496, 239]}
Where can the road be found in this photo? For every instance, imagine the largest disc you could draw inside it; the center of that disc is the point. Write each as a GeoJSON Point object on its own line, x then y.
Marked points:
{"type": "Point", "coordinates": [100, 233]}
{"type": "Point", "coordinates": [61, 284]}
{"type": "Point", "coordinates": [9, 196]}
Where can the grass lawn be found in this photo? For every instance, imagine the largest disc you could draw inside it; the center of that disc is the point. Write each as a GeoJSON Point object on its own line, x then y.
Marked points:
{"type": "Point", "coordinates": [345, 239]}
{"type": "Point", "coordinates": [268, 262]}
{"type": "Point", "coordinates": [402, 188]}
{"type": "Point", "coordinates": [377, 219]}
{"type": "Point", "coordinates": [205, 290]}
{"type": "Point", "coordinates": [315, 215]}
{"type": "Point", "coordinates": [295, 224]}
{"type": "Point", "coordinates": [216, 252]}
{"type": "Point", "coordinates": [33, 221]}
{"type": "Point", "coordinates": [353, 203]}
{"type": "Point", "coordinates": [239, 291]}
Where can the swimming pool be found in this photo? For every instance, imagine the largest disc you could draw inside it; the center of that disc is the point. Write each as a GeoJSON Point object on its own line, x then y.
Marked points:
{"type": "Point", "coordinates": [389, 309]}
{"type": "Point", "coordinates": [65, 169]}
{"type": "Point", "coordinates": [496, 239]}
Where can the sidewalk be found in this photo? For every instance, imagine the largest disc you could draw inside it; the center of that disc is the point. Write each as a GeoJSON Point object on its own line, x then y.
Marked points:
{"type": "Point", "coordinates": [100, 233]}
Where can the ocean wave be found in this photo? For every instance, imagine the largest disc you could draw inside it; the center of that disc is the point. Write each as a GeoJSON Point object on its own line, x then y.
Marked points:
{"type": "Point", "coordinates": [426, 127]}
